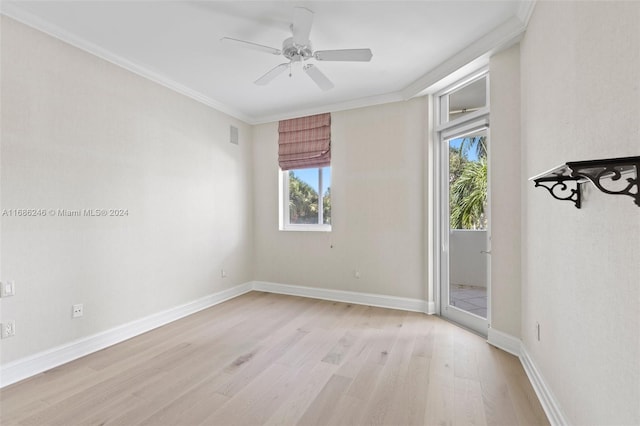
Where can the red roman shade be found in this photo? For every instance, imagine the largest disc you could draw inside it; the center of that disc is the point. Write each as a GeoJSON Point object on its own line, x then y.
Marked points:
{"type": "Point", "coordinates": [305, 142]}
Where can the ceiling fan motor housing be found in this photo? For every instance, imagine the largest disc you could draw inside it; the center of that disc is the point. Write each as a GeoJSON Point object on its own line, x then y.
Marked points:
{"type": "Point", "coordinates": [295, 52]}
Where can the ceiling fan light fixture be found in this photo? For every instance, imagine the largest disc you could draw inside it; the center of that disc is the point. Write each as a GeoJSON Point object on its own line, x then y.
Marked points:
{"type": "Point", "coordinates": [290, 50]}
{"type": "Point", "coordinates": [297, 48]}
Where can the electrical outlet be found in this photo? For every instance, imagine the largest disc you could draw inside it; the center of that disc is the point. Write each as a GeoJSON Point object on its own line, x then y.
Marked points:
{"type": "Point", "coordinates": [7, 288]}
{"type": "Point", "coordinates": [356, 274]}
{"type": "Point", "coordinates": [223, 273]}
{"type": "Point", "coordinates": [77, 310]}
{"type": "Point", "coordinates": [8, 329]}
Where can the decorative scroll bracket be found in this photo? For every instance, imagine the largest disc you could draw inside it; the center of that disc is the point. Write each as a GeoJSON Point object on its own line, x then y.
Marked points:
{"type": "Point", "coordinates": [596, 172]}
{"type": "Point", "coordinates": [558, 188]}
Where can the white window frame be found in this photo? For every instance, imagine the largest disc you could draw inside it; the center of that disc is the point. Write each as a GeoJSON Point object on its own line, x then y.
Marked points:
{"type": "Point", "coordinates": [284, 224]}
{"type": "Point", "coordinates": [441, 101]}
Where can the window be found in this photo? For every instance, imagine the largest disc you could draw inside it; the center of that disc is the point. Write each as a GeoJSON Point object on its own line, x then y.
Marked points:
{"type": "Point", "coordinates": [304, 157]}
{"type": "Point", "coordinates": [306, 199]}
{"type": "Point", "coordinates": [464, 100]}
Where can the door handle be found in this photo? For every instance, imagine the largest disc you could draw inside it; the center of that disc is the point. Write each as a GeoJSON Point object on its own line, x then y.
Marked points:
{"type": "Point", "coordinates": [485, 252]}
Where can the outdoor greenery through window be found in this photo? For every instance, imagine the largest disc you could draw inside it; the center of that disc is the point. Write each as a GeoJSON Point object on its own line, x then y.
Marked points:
{"type": "Point", "coordinates": [468, 182]}
{"type": "Point", "coordinates": [309, 196]}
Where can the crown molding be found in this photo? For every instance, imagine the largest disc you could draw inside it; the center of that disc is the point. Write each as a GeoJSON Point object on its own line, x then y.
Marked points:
{"type": "Point", "coordinates": [15, 12]}
{"type": "Point", "coordinates": [525, 11]}
{"type": "Point", "coordinates": [477, 53]}
{"type": "Point", "coordinates": [473, 57]}
{"type": "Point", "coordinates": [340, 106]}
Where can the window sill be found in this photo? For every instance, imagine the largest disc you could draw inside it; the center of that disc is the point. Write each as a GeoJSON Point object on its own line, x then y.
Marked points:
{"type": "Point", "coordinates": [307, 228]}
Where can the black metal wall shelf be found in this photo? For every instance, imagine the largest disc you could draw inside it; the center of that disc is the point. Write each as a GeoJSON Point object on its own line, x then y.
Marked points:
{"type": "Point", "coordinates": [564, 182]}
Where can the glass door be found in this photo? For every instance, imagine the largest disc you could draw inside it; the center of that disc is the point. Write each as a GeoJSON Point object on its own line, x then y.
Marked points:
{"type": "Point", "coordinates": [465, 229]}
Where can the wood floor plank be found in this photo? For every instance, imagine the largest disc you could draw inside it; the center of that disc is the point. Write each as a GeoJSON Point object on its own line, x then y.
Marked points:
{"type": "Point", "coordinates": [524, 398]}
{"type": "Point", "coordinates": [356, 357]}
{"type": "Point", "coordinates": [77, 404]}
{"type": "Point", "coordinates": [255, 403]}
{"type": "Point", "coordinates": [409, 401]}
{"type": "Point", "coordinates": [499, 407]}
{"type": "Point", "coordinates": [347, 411]}
{"type": "Point", "coordinates": [468, 402]}
{"type": "Point", "coordinates": [365, 380]}
{"type": "Point", "coordinates": [190, 408]}
{"type": "Point", "coordinates": [320, 408]}
{"type": "Point", "coordinates": [302, 395]}
{"type": "Point", "coordinates": [379, 410]}
{"type": "Point", "coordinates": [337, 354]}
{"type": "Point", "coordinates": [244, 368]}
{"type": "Point", "coordinates": [440, 391]}
{"type": "Point", "coordinates": [281, 360]}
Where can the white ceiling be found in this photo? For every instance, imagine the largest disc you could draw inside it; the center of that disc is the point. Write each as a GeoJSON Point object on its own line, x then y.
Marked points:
{"type": "Point", "coordinates": [414, 44]}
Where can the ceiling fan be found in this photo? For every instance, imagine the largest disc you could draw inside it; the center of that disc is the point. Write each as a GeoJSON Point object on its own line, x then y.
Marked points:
{"type": "Point", "coordinates": [298, 49]}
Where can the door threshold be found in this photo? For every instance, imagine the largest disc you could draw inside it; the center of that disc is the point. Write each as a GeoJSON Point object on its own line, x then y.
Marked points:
{"type": "Point", "coordinates": [464, 327]}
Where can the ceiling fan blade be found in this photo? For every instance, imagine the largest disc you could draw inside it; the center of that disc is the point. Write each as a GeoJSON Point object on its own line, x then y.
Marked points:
{"type": "Point", "coordinates": [250, 45]}
{"type": "Point", "coordinates": [301, 27]}
{"type": "Point", "coordinates": [318, 77]}
{"type": "Point", "coordinates": [360, 55]}
{"type": "Point", "coordinates": [271, 74]}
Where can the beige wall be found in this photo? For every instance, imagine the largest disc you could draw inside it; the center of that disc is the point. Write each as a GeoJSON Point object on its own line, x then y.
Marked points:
{"type": "Point", "coordinates": [378, 216]}
{"type": "Point", "coordinates": [506, 180]}
{"type": "Point", "coordinates": [81, 133]}
{"type": "Point", "coordinates": [580, 65]}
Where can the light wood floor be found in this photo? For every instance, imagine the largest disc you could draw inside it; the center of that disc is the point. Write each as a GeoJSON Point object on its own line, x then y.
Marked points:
{"type": "Point", "coordinates": [272, 359]}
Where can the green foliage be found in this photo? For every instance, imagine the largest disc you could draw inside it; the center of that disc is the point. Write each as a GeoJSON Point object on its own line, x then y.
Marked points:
{"type": "Point", "coordinates": [456, 164]}
{"type": "Point", "coordinates": [468, 185]}
{"type": "Point", "coordinates": [303, 201]}
{"type": "Point", "coordinates": [326, 207]}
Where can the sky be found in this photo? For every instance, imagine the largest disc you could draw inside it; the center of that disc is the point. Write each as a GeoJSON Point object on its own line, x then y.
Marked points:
{"type": "Point", "coordinates": [311, 177]}
{"type": "Point", "coordinates": [472, 155]}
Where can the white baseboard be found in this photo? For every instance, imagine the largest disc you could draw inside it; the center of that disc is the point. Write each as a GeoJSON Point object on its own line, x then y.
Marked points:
{"type": "Point", "coordinates": [514, 346]}
{"type": "Point", "coordinates": [431, 308]}
{"type": "Point", "coordinates": [29, 366]}
{"type": "Point", "coordinates": [382, 301]}
{"type": "Point", "coordinates": [37, 363]}
{"type": "Point", "coordinates": [504, 341]}
{"type": "Point", "coordinates": [547, 399]}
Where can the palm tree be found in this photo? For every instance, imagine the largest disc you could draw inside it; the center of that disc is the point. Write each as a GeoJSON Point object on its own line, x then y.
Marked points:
{"type": "Point", "coordinates": [478, 143]}
{"type": "Point", "coordinates": [303, 201]}
{"type": "Point", "coordinates": [468, 184]}
{"type": "Point", "coordinates": [469, 197]}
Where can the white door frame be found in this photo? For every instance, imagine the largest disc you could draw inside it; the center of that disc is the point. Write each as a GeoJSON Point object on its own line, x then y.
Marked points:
{"type": "Point", "coordinates": [473, 122]}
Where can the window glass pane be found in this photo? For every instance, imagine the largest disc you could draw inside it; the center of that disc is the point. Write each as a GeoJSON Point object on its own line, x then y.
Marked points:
{"type": "Point", "coordinates": [326, 195]}
{"type": "Point", "coordinates": [468, 182]}
{"type": "Point", "coordinates": [303, 196]}
{"type": "Point", "coordinates": [468, 223]}
{"type": "Point", "coordinates": [468, 99]}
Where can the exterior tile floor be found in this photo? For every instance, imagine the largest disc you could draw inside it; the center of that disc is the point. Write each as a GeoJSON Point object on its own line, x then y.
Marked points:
{"type": "Point", "coordinates": [470, 298]}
